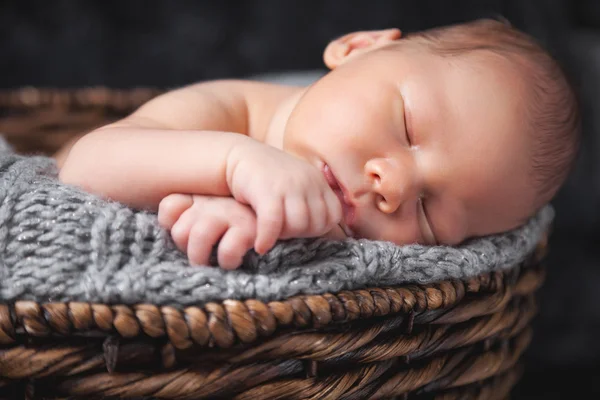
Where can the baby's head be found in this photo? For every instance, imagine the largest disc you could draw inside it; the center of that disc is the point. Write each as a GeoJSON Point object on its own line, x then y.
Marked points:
{"type": "Point", "coordinates": [441, 135]}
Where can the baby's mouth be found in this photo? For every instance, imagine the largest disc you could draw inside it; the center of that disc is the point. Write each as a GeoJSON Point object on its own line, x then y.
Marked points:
{"type": "Point", "coordinates": [347, 208]}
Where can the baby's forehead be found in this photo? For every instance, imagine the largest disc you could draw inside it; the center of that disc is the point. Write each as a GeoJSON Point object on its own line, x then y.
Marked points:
{"type": "Point", "coordinates": [514, 73]}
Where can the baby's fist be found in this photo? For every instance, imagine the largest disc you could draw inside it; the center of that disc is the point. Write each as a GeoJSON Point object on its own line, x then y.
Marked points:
{"type": "Point", "coordinates": [197, 223]}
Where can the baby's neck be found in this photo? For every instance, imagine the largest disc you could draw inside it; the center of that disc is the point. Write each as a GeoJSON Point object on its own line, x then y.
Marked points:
{"type": "Point", "coordinates": [275, 132]}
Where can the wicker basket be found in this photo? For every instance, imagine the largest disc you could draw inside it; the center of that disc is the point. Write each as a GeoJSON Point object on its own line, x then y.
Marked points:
{"type": "Point", "coordinates": [449, 340]}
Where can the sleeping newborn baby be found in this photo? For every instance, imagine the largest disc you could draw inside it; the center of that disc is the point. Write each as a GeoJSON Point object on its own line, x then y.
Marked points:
{"type": "Point", "coordinates": [432, 138]}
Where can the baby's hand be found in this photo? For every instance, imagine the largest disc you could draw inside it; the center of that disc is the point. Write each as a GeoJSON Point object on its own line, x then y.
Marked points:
{"type": "Point", "coordinates": [197, 223]}
{"type": "Point", "coordinates": [291, 198]}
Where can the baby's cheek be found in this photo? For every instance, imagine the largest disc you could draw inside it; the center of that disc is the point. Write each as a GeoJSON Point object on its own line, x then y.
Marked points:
{"type": "Point", "coordinates": [400, 232]}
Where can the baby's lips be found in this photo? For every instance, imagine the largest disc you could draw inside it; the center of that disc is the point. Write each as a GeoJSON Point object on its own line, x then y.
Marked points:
{"type": "Point", "coordinates": [330, 178]}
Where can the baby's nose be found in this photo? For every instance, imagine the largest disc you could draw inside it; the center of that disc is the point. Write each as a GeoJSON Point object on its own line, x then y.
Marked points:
{"type": "Point", "coordinates": [391, 185]}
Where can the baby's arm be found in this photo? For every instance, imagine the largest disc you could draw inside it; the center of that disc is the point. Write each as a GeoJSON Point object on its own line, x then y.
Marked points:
{"type": "Point", "coordinates": [184, 143]}
{"type": "Point", "coordinates": [176, 143]}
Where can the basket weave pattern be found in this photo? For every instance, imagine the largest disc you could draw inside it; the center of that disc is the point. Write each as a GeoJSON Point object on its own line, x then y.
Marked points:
{"type": "Point", "coordinates": [448, 340]}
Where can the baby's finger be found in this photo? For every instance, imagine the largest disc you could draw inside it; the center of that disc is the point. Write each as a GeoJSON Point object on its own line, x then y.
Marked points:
{"type": "Point", "coordinates": [318, 214]}
{"type": "Point", "coordinates": [180, 231]}
{"type": "Point", "coordinates": [234, 244]}
{"type": "Point", "coordinates": [171, 207]}
{"type": "Point", "coordinates": [269, 221]}
{"type": "Point", "coordinates": [297, 218]}
{"type": "Point", "coordinates": [334, 208]}
{"type": "Point", "coordinates": [202, 239]}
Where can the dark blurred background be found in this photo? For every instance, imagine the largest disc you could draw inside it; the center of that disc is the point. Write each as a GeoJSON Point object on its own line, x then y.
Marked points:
{"type": "Point", "coordinates": [166, 43]}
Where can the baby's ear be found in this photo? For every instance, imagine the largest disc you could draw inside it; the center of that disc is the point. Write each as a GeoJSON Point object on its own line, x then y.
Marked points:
{"type": "Point", "coordinates": [340, 50]}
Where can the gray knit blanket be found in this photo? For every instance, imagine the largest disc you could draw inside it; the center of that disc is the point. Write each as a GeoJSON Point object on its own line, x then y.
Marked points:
{"type": "Point", "coordinates": [58, 243]}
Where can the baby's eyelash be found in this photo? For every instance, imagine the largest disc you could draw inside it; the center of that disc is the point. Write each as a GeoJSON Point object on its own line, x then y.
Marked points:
{"type": "Point", "coordinates": [406, 131]}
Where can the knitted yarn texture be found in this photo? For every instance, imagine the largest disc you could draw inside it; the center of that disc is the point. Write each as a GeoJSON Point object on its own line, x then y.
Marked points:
{"type": "Point", "coordinates": [58, 243]}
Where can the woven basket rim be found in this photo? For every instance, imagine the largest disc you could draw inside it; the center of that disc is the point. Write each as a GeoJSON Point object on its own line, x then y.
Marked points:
{"type": "Point", "coordinates": [222, 324]}
{"type": "Point", "coordinates": [92, 96]}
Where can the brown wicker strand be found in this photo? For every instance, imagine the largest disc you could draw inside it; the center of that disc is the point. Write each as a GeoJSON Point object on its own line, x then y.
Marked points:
{"type": "Point", "coordinates": [318, 346]}
{"type": "Point", "coordinates": [7, 325]}
{"type": "Point", "coordinates": [473, 368]}
{"type": "Point", "coordinates": [57, 359]}
{"type": "Point", "coordinates": [434, 339]}
{"type": "Point", "coordinates": [495, 388]}
{"type": "Point", "coordinates": [27, 362]}
{"type": "Point", "coordinates": [179, 384]}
